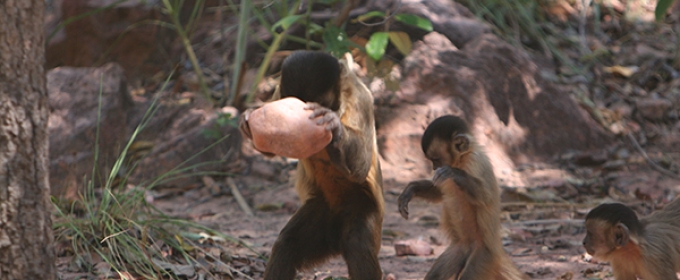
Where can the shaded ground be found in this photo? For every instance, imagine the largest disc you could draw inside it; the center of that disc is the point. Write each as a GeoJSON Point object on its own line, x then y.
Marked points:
{"type": "Point", "coordinates": [543, 238]}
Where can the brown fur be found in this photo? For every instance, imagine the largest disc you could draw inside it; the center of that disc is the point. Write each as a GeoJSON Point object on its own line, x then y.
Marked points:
{"type": "Point", "coordinates": [466, 185]}
{"type": "Point", "coordinates": [340, 186]}
{"type": "Point", "coordinates": [648, 248]}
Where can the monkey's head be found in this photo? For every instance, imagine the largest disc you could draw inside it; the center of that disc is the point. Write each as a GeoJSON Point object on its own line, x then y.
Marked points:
{"type": "Point", "coordinates": [609, 227]}
{"type": "Point", "coordinates": [446, 140]}
{"type": "Point", "coordinates": [311, 76]}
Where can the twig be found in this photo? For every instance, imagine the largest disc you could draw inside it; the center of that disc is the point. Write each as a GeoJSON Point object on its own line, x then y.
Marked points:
{"type": "Point", "coordinates": [543, 222]}
{"type": "Point", "coordinates": [239, 198]}
{"type": "Point", "coordinates": [649, 160]}
{"type": "Point", "coordinates": [543, 204]}
{"type": "Point", "coordinates": [388, 17]}
{"type": "Point", "coordinates": [344, 13]}
{"type": "Point", "coordinates": [218, 260]}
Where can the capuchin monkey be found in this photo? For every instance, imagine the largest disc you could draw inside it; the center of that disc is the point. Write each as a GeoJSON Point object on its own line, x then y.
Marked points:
{"type": "Point", "coordinates": [465, 184]}
{"type": "Point", "coordinates": [340, 186]}
{"type": "Point", "coordinates": [648, 248]}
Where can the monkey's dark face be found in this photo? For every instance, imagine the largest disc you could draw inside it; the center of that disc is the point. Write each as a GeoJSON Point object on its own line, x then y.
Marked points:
{"type": "Point", "coordinates": [600, 239]}
{"type": "Point", "coordinates": [311, 76]}
{"type": "Point", "coordinates": [439, 153]}
{"type": "Point", "coordinates": [448, 152]}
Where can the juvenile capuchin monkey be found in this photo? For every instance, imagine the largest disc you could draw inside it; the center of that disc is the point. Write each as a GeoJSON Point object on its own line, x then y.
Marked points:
{"type": "Point", "coordinates": [648, 248]}
{"type": "Point", "coordinates": [466, 186]}
{"type": "Point", "coordinates": [340, 186]}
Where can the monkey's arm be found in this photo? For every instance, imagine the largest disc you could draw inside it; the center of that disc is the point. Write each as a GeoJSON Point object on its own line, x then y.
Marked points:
{"type": "Point", "coordinates": [472, 186]}
{"type": "Point", "coordinates": [422, 188]}
{"type": "Point", "coordinates": [351, 149]}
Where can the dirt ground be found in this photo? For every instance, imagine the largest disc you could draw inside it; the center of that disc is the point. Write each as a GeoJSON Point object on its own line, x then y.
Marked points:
{"type": "Point", "coordinates": [543, 238]}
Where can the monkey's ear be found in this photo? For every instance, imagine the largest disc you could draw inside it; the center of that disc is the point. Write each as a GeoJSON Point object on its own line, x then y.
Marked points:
{"type": "Point", "coordinates": [461, 143]}
{"type": "Point", "coordinates": [621, 234]}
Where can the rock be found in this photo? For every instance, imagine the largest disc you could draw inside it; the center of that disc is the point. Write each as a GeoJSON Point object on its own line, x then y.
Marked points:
{"type": "Point", "coordinates": [107, 36]}
{"type": "Point", "coordinates": [185, 136]}
{"type": "Point", "coordinates": [653, 108]}
{"type": "Point", "coordinates": [283, 127]}
{"type": "Point", "coordinates": [74, 100]}
{"type": "Point", "coordinates": [412, 247]}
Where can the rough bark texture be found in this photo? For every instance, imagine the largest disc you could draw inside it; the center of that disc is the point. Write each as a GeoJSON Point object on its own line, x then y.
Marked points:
{"type": "Point", "coordinates": [25, 226]}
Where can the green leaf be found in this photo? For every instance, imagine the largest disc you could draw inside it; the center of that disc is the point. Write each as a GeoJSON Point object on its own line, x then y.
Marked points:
{"type": "Point", "coordinates": [370, 15]}
{"type": "Point", "coordinates": [286, 22]}
{"type": "Point", "coordinates": [415, 21]}
{"type": "Point", "coordinates": [336, 40]}
{"type": "Point", "coordinates": [401, 41]}
{"type": "Point", "coordinates": [375, 47]}
{"type": "Point", "coordinates": [314, 28]}
{"type": "Point", "coordinates": [326, 2]}
{"type": "Point", "coordinates": [661, 9]}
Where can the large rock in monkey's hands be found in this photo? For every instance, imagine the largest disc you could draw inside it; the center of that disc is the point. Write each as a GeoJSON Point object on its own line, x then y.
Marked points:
{"type": "Point", "coordinates": [284, 128]}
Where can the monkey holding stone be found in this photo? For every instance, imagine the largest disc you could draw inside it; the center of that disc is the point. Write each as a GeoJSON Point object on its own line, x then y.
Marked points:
{"type": "Point", "coordinates": [648, 248]}
{"type": "Point", "coordinates": [341, 185]}
{"type": "Point", "coordinates": [465, 184]}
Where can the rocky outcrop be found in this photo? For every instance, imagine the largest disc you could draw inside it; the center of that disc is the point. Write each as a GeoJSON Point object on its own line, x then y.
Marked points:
{"type": "Point", "coordinates": [497, 88]}
{"type": "Point", "coordinates": [74, 95]}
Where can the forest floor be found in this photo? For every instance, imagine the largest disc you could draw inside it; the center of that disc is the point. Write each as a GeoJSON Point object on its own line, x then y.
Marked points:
{"type": "Point", "coordinates": [544, 239]}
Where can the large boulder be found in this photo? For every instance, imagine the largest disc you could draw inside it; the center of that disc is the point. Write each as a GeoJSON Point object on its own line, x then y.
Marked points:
{"type": "Point", "coordinates": [178, 135]}
{"type": "Point", "coordinates": [497, 88]}
{"type": "Point", "coordinates": [111, 33]}
{"type": "Point", "coordinates": [188, 137]}
{"type": "Point", "coordinates": [74, 96]}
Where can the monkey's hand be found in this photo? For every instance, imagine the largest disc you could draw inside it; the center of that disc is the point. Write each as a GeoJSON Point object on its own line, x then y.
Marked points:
{"type": "Point", "coordinates": [404, 198]}
{"type": "Point", "coordinates": [447, 172]}
{"type": "Point", "coordinates": [243, 124]}
{"type": "Point", "coordinates": [326, 117]}
{"type": "Point", "coordinates": [421, 188]}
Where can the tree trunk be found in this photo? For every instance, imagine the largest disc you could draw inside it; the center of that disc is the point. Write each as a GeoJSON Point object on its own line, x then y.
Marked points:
{"type": "Point", "coordinates": [26, 250]}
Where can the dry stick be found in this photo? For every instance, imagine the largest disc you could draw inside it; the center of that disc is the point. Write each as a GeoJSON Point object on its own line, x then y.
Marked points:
{"type": "Point", "coordinates": [239, 198]}
{"type": "Point", "coordinates": [217, 259]}
{"type": "Point", "coordinates": [649, 160]}
{"type": "Point", "coordinates": [543, 222]}
{"type": "Point", "coordinates": [543, 204]}
{"type": "Point", "coordinates": [344, 13]}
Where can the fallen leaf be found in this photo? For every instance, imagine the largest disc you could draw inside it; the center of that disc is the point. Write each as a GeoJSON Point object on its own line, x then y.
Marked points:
{"type": "Point", "coordinates": [623, 71]}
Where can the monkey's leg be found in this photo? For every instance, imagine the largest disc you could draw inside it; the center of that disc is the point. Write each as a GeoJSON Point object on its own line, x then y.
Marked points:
{"type": "Point", "coordinates": [449, 263]}
{"type": "Point", "coordinates": [360, 246]}
{"type": "Point", "coordinates": [481, 264]}
{"type": "Point", "coordinates": [303, 242]}
{"type": "Point", "coordinates": [421, 188]}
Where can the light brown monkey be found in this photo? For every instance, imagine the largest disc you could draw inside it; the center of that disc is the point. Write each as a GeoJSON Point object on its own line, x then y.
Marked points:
{"type": "Point", "coordinates": [466, 186]}
{"type": "Point", "coordinates": [340, 186]}
{"type": "Point", "coordinates": [648, 248]}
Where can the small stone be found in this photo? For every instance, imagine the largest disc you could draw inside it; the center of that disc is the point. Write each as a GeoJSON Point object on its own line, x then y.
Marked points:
{"type": "Point", "coordinates": [412, 247]}
{"type": "Point", "coordinates": [653, 108]}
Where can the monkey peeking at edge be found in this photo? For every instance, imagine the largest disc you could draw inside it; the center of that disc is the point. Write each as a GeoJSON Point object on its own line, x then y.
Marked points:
{"type": "Point", "coordinates": [341, 185]}
{"type": "Point", "coordinates": [648, 248]}
{"type": "Point", "coordinates": [465, 184]}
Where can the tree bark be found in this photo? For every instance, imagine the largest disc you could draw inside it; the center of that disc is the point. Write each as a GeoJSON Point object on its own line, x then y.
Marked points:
{"type": "Point", "coordinates": [26, 250]}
